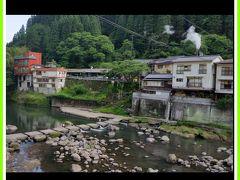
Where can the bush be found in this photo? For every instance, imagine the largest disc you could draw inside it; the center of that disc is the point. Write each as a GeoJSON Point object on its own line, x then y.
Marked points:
{"type": "Point", "coordinates": [30, 98]}
{"type": "Point", "coordinates": [225, 102]}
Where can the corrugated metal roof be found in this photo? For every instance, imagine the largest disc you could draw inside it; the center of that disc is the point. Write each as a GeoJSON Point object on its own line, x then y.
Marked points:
{"type": "Point", "coordinates": [228, 61]}
{"type": "Point", "coordinates": [158, 76]}
{"type": "Point", "coordinates": [176, 59]}
{"type": "Point", "coordinates": [195, 58]}
{"type": "Point", "coordinates": [24, 57]}
{"type": "Point", "coordinates": [88, 70]}
{"type": "Point", "coordinates": [49, 69]}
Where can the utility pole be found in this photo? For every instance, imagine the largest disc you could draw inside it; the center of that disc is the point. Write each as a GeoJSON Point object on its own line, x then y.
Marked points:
{"type": "Point", "coordinates": [132, 44]}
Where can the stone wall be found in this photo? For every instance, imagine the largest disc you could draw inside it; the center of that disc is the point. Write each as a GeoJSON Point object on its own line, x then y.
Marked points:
{"type": "Point", "coordinates": [201, 110]}
{"type": "Point", "coordinates": [150, 105]}
{"type": "Point", "coordinates": [177, 108]}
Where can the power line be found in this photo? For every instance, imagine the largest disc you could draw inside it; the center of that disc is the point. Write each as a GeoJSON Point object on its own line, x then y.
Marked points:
{"type": "Point", "coordinates": [194, 24]}
{"type": "Point", "coordinates": [130, 31]}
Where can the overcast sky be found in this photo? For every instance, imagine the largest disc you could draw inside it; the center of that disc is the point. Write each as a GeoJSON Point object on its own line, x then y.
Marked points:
{"type": "Point", "coordinates": [13, 24]}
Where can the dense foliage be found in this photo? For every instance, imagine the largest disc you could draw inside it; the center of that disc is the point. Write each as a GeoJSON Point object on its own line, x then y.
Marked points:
{"type": "Point", "coordinates": [50, 34]}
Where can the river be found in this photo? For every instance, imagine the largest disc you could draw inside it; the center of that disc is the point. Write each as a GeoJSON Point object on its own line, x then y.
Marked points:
{"type": "Point", "coordinates": [34, 118]}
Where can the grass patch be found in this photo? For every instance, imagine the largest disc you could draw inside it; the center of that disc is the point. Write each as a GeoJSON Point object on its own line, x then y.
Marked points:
{"type": "Point", "coordinates": [139, 120]}
{"type": "Point", "coordinates": [80, 92]}
{"type": "Point", "coordinates": [198, 132]}
{"type": "Point", "coordinates": [30, 98]}
{"type": "Point", "coordinates": [117, 108]}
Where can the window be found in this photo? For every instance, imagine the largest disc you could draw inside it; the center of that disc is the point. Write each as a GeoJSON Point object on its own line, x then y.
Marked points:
{"type": "Point", "coordinates": [187, 68]}
{"type": "Point", "coordinates": [39, 72]}
{"type": "Point", "coordinates": [160, 66]}
{"type": "Point", "coordinates": [227, 71]}
{"type": "Point", "coordinates": [202, 69]}
{"type": "Point", "coordinates": [180, 69]}
{"type": "Point", "coordinates": [179, 79]}
{"type": "Point", "coordinates": [194, 82]}
{"type": "Point", "coordinates": [24, 78]}
{"type": "Point", "coordinates": [226, 85]}
{"type": "Point", "coordinates": [42, 85]}
{"type": "Point", "coordinates": [28, 84]}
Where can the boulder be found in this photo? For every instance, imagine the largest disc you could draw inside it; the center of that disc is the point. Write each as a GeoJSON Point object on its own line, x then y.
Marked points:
{"type": "Point", "coordinates": [102, 124]}
{"type": "Point", "coordinates": [84, 127]}
{"type": "Point", "coordinates": [76, 168]}
{"type": "Point", "coordinates": [54, 134]}
{"type": "Point", "coordinates": [221, 149]}
{"type": "Point", "coordinates": [229, 160]}
{"type": "Point", "coordinates": [172, 158]}
{"type": "Point", "coordinates": [11, 129]}
{"type": "Point", "coordinates": [94, 126]}
{"type": "Point", "coordinates": [40, 138]}
{"type": "Point", "coordinates": [150, 170]}
{"type": "Point", "coordinates": [15, 146]}
{"type": "Point", "coordinates": [68, 123]}
{"type": "Point", "coordinates": [111, 134]}
{"type": "Point", "coordinates": [76, 157]}
{"type": "Point", "coordinates": [151, 140]}
{"type": "Point", "coordinates": [140, 133]}
{"type": "Point", "coordinates": [165, 139]}
{"type": "Point", "coordinates": [138, 169]}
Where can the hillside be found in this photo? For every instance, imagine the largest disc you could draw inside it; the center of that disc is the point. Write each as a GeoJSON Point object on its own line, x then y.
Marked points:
{"type": "Point", "coordinates": [50, 34]}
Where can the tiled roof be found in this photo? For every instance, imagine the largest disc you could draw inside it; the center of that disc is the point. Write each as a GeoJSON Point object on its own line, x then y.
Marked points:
{"type": "Point", "coordinates": [228, 61]}
{"type": "Point", "coordinates": [49, 69]}
{"type": "Point", "coordinates": [158, 76]}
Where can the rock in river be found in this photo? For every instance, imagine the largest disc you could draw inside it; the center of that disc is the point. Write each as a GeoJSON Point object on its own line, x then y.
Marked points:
{"type": "Point", "coordinates": [165, 139]}
{"type": "Point", "coordinates": [76, 157]}
{"type": "Point", "coordinates": [11, 129]}
{"type": "Point", "coordinates": [152, 170]}
{"type": "Point", "coordinates": [111, 134]}
{"type": "Point", "coordinates": [172, 158]}
{"type": "Point", "coordinates": [140, 133]}
{"type": "Point", "coordinates": [15, 146]}
{"type": "Point", "coordinates": [151, 140]}
{"type": "Point", "coordinates": [76, 168]}
{"type": "Point", "coordinates": [40, 138]}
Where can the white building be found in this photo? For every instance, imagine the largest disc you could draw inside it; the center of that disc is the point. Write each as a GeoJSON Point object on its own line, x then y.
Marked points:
{"type": "Point", "coordinates": [194, 72]}
{"type": "Point", "coordinates": [224, 77]}
{"type": "Point", "coordinates": [157, 82]}
{"type": "Point", "coordinates": [48, 80]}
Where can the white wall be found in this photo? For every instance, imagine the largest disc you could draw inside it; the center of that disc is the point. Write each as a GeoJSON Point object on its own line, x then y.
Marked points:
{"type": "Point", "coordinates": [24, 86]}
{"type": "Point", "coordinates": [220, 77]}
{"type": "Point", "coordinates": [207, 79]}
{"type": "Point", "coordinates": [55, 77]}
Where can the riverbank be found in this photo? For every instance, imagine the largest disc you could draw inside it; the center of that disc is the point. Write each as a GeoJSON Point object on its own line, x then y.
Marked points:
{"type": "Point", "coordinates": [214, 132]}
{"type": "Point", "coordinates": [29, 98]}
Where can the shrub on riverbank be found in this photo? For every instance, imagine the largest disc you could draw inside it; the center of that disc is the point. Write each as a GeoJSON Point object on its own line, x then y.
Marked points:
{"type": "Point", "coordinates": [30, 98]}
{"type": "Point", "coordinates": [79, 92]}
{"type": "Point", "coordinates": [117, 108]}
{"type": "Point", "coordinates": [197, 132]}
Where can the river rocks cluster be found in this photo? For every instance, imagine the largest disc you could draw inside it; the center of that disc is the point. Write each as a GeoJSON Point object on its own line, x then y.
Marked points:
{"type": "Point", "coordinates": [89, 153]}
{"type": "Point", "coordinates": [205, 161]}
{"type": "Point", "coordinates": [11, 129]}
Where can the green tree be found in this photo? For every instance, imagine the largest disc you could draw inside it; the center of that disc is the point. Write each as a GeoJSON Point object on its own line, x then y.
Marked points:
{"type": "Point", "coordinates": [126, 51]}
{"type": "Point", "coordinates": [129, 70]}
{"type": "Point", "coordinates": [216, 44]}
{"type": "Point", "coordinates": [82, 49]}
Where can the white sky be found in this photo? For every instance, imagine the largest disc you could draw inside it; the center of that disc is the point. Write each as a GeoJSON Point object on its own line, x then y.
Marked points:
{"type": "Point", "coordinates": [13, 25]}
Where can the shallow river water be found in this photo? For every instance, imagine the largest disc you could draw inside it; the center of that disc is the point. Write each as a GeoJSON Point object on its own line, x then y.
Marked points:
{"type": "Point", "coordinates": [32, 118]}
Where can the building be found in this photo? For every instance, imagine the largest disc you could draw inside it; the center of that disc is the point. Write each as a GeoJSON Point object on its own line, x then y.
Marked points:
{"type": "Point", "coordinates": [48, 80]}
{"type": "Point", "coordinates": [88, 74]}
{"type": "Point", "coordinates": [22, 69]}
{"type": "Point", "coordinates": [162, 65]}
{"type": "Point", "coordinates": [224, 77]}
{"type": "Point", "coordinates": [157, 82]}
{"type": "Point", "coordinates": [195, 72]}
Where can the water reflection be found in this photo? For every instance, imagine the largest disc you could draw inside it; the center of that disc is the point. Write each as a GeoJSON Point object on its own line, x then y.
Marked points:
{"type": "Point", "coordinates": [35, 118]}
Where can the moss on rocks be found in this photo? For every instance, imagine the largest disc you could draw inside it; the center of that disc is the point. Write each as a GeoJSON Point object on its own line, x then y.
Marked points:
{"type": "Point", "coordinates": [55, 134]}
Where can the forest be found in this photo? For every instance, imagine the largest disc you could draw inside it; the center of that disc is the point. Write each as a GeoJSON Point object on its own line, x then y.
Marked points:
{"type": "Point", "coordinates": [85, 40]}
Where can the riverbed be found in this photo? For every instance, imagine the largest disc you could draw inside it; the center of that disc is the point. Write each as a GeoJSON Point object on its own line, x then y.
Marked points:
{"type": "Point", "coordinates": [150, 155]}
